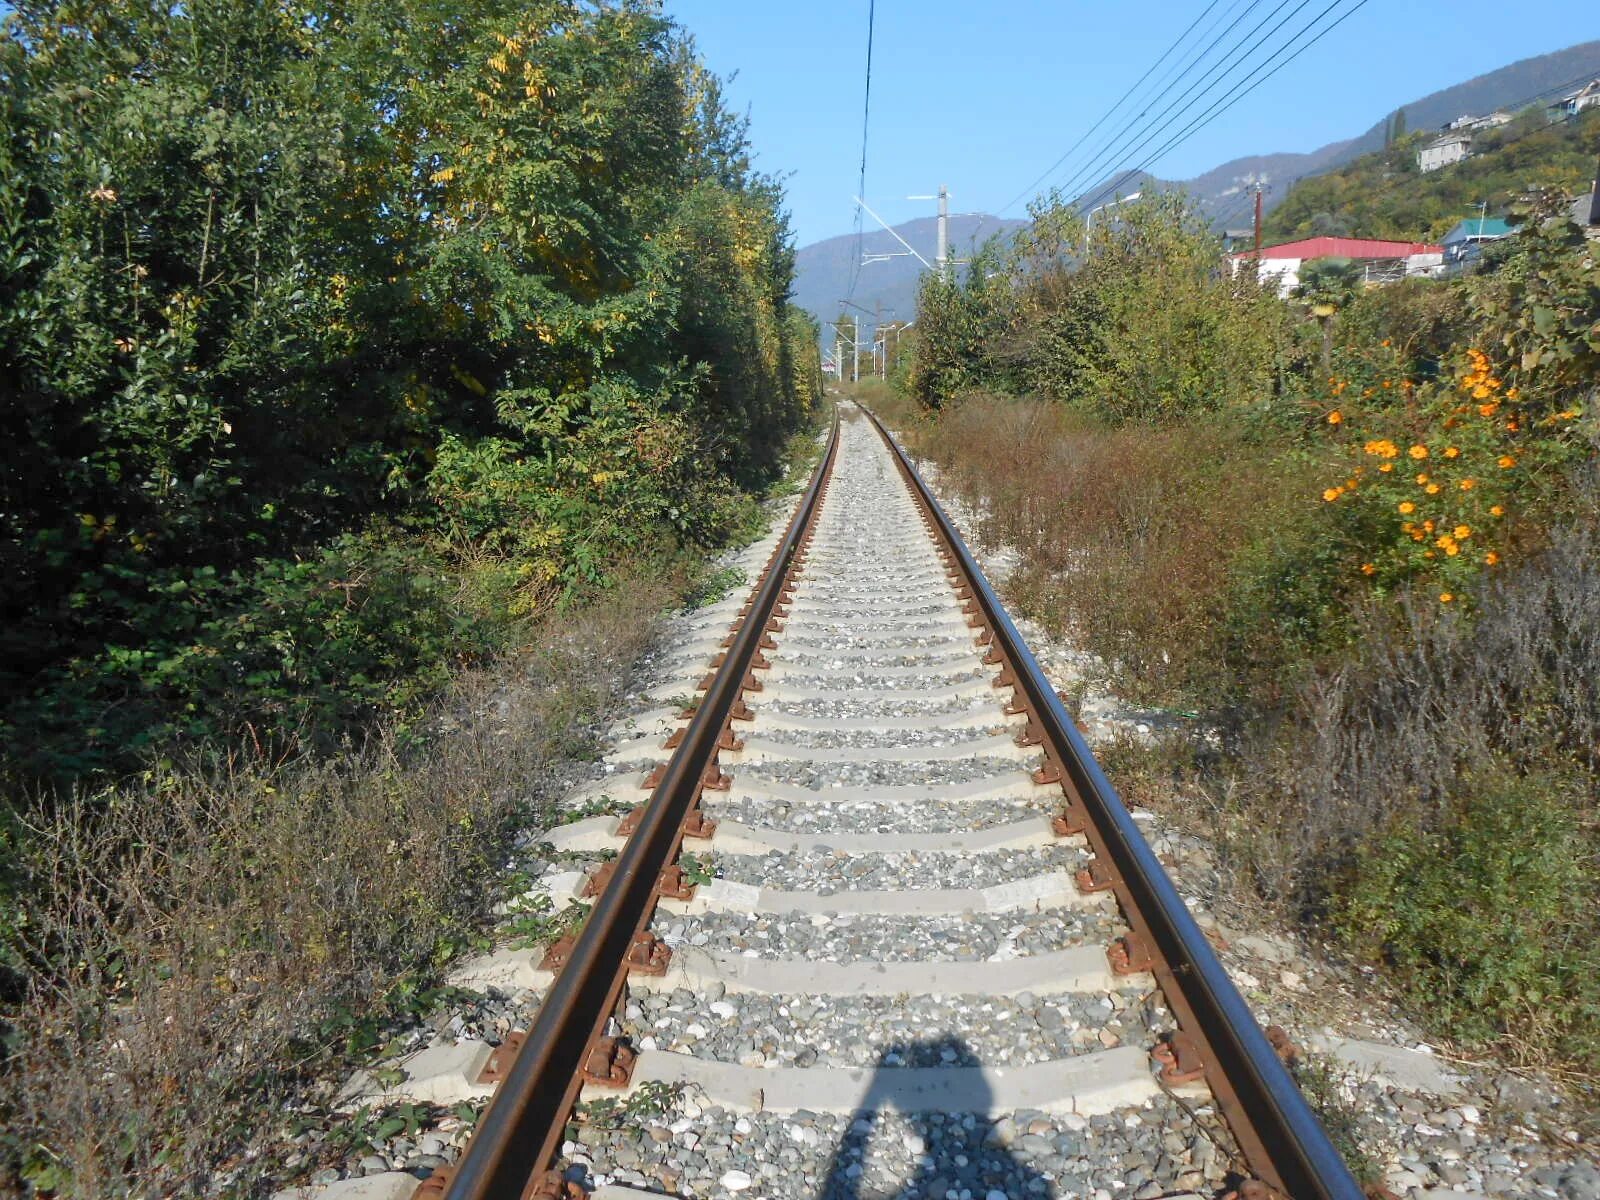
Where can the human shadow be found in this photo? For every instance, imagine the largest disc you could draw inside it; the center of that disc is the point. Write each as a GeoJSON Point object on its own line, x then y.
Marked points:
{"type": "Point", "coordinates": [952, 1140]}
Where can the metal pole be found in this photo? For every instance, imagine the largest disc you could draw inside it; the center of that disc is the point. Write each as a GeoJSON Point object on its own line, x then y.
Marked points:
{"type": "Point", "coordinates": [943, 257]}
{"type": "Point", "coordinates": [1594, 199]}
{"type": "Point", "coordinates": [855, 374]}
{"type": "Point", "coordinates": [1258, 222]}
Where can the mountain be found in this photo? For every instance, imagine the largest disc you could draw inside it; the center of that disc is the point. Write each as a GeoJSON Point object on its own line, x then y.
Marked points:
{"type": "Point", "coordinates": [1224, 191]}
{"type": "Point", "coordinates": [823, 268]}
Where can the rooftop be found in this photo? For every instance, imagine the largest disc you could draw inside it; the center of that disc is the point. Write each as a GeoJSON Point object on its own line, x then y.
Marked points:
{"type": "Point", "coordinates": [1342, 247]}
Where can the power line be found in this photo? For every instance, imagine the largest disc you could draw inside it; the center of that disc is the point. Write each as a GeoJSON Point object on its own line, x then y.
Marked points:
{"type": "Point", "coordinates": [1224, 104]}
{"type": "Point", "coordinates": [1154, 105]}
{"type": "Point", "coordinates": [1105, 116]}
{"type": "Point", "coordinates": [1233, 59]}
{"type": "Point", "coordinates": [861, 185]}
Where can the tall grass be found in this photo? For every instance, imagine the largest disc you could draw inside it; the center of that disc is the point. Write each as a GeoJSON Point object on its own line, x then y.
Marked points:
{"type": "Point", "coordinates": [1154, 547]}
{"type": "Point", "coordinates": [193, 950]}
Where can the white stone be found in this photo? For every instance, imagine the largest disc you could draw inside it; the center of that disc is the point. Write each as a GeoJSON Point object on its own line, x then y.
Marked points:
{"type": "Point", "coordinates": [387, 1185]}
{"type": "Point", "coordinates": [735, 1181]}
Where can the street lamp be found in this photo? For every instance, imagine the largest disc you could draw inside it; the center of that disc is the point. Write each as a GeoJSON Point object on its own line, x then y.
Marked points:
{"type": "Point", "coordinates": [1088, 222]}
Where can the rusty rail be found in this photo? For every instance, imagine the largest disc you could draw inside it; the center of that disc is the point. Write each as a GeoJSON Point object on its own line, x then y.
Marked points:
{"type": "Point", "coordinates": [520, 1133]}
{"type": "Point", "coordinates": [1278, 1135]}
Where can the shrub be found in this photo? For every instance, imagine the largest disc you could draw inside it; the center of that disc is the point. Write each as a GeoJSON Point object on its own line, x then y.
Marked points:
{"type": "Point", "coordinates": [1486, 916]}
{"type": "Point", "coordinates": [194, 951]}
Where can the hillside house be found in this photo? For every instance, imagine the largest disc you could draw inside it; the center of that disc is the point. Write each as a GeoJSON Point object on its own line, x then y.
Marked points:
{"type": "Point", "coordinates": [1449, 147]}
{"type": "Point", "coordinates": [1465, 242]}
{"type": "Point", "coordinates": [1380, 261]}
{"type": "Point", "coordinates": [1588, 96]}
{"type": "Point", "coordinates": [1466, 124]}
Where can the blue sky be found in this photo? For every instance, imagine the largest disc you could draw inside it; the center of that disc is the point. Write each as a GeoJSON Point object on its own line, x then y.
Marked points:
{"type": "Point", "coordinates": [983, 96]}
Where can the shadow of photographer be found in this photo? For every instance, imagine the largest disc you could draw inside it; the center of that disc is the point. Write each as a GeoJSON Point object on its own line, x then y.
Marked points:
{"type": "Point", "coordinates": [952, 1141]}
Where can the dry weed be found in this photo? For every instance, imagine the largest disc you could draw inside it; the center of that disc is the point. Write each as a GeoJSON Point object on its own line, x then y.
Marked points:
{"type": "Point", "coordinates": [197, 946]}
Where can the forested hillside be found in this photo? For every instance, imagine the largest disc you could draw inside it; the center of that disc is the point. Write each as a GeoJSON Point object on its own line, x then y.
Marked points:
{"type": "Point", "coordinates": [333, 340]}
{"type": "Point", "coordinates": [1386, 195]}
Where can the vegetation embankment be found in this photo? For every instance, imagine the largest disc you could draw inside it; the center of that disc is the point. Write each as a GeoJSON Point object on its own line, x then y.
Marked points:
{"type": "Point", "coordinates": [375, 375]}
{"type": "Point", "coordinates": [1357, 532]}
{"type": "Point", "coordinates": [1387, 195]}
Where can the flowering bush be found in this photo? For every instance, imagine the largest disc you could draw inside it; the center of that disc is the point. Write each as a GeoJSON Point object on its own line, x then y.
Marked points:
{"type": "Point", "coordinates": [1432, 483]}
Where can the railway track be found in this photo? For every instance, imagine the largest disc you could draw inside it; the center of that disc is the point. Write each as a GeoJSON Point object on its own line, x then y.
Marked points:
{"type": "Point", "coordinates": [878, 925]}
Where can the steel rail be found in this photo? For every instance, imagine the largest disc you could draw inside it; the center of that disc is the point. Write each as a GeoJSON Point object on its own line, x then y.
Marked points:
{"type": "Point", "coordinates": [520, 1133]}
{"type": "Point", "coordinates": [1279, 1136]}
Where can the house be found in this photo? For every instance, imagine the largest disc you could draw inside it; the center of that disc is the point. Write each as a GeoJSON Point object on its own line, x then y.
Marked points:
{"type": "Point", "coordinates": [1466, 124]}
{"type": "Point", "coordinates": [1449, 147]}
{"type": "Point", "coordinates": [1380, 261]}
{"type": "Point", "coordinates": [1464, 243]}
{"type": "Point", "coordinates": [1588, 96]}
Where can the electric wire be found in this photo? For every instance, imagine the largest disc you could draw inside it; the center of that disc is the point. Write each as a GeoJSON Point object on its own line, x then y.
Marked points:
{"type": "Point", "coordinates": [861, 185]}
{"type": "Point", "coordinates": [1156, 126]}
{"type": "Point", "coordinates": [1104, 117]}
{"type": "Point", "coordinates": [1160, 100]}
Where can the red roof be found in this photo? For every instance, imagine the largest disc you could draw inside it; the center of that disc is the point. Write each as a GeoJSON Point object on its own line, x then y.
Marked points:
{"type": "Point", "coordinates": [1340, 247]}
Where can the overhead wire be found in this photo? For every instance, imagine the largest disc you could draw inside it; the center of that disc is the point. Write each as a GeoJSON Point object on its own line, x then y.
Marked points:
{"type": "Point", "coordinates": [1233, 60]}
{"type": "Point", "coordinates": [861, 185]}
{"type": "Point", "coordinates": [1168, 87]}
{"type": "Point", "coordinates": [1104, 117]}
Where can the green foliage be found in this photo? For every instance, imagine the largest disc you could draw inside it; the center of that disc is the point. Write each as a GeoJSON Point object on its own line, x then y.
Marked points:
{"type": "Point", "coordinates": [1385, 195]}
{"type": "Point", "coordinates": [1488, 915]}
{"type": "Point", "coordinates": [500, 273]}
{"type": "Point", "coordinates": [1344, 1121]}
{"type": "Point", "coordinates": [1133, 321]}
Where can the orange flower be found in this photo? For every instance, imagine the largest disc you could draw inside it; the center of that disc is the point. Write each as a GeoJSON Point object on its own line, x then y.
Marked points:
{"type": "Point", "coordinates": [1407, 507]}
{"type": "Point", "coordinates": [1480, 392]}
{"type": "Point", "coordinates": [1497, 510]}
{"type": "Point", "coordinates": [1445, 597]}
{"type": "Point", "coordinates": [1512, 393]}
{"type": "Point", "coordinates": [1461, 531]}
{"type": "Point", "coordinates": [1386, 468]}
{"type": "Point", "coordinates": [1422, 479]}
{"type": "Point", "coordinates": [1452, 452]}
{"type": "Point", "coordinates": [1368, 569]}
{"type": "Point", "coordinates": [1468, 484]}
{"type": "Point", "coordinates": [1332, 494]}
{"type": "Point", "coordinates": [1428, 525]}
{"type": "Point", "coordinates": [1418, 452]}
{"type": "Point", "coordinates": [1506, 462]}
{"type": "Point", "coordinates": [1385, 343]}
{"type": "Point", "coordinates": [1487, 410]}
{"type": "Point", "coordinates": [1491, 558]}
{"type": "Point", "coordinates": [1335, 417]}
{"type": "Point", "coordinates": [1432, 489]}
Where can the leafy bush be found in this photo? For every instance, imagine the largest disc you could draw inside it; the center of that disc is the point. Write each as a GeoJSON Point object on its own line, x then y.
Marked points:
{"type": "Point", "coordinates": [270, 279]}
{"type": "Point", "coordinates": [1486, 917]}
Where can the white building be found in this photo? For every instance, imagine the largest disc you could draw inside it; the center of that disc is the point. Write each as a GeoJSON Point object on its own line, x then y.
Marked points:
{"type": "Point", "coordinates": [1588, 96]}
{"type": "Point", "coordinates": [1466, 124]}
{"type": "Point", "coordinates": [1447, 148]}
{"type": "Point", "coordinates": [1378, 261]}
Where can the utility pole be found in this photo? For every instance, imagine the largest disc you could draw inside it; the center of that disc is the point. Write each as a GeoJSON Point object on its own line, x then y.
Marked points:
{"type": "Point", "coordinates": [943, 257]}
{"type": "Point", "coordinates": [1258, 222]}
{"type": "Point", "coordinates": [1594, 200]}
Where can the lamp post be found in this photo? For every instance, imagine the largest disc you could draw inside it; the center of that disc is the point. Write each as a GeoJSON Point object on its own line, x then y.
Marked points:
{"type": "Point", "coordinates": [1088, 222]}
